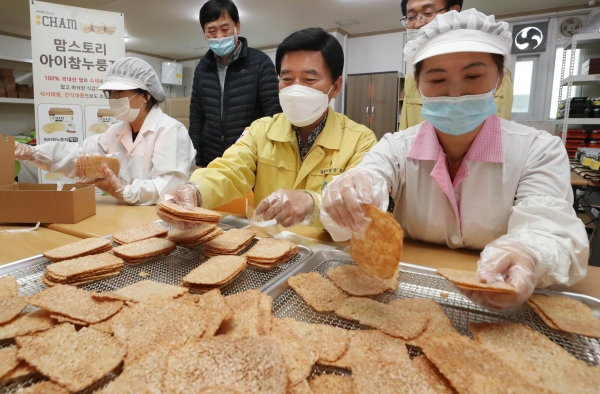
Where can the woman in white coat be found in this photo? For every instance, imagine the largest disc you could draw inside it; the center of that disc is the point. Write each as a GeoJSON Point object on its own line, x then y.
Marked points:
{"type": "Point", "coordinates": [465, 177]}
{"type": "Point", "coordinates": [155, 150]}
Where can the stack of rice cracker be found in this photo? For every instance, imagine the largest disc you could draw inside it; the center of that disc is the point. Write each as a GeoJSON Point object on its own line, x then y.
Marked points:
{"type": "Point", "coordinates": [230, 243]}
{"type": "Point", "coordinates": [142, 243]}
{"type": "Point", "coordinates": [268, 253]}
{"type": "Point", "coordinates": [214, 273]}
{"type": "Point", "coordinates": [82, 270]}
{"type": "Point", "coordinates": [197, 215]}
{"type": "Point", "coordinates": [196, 236]}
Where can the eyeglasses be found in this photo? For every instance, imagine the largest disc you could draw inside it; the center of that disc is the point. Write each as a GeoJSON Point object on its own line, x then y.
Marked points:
{"type": "Point", "coordinates": [112, 94]}
{"type": "Point", "coordinates": [115, 94]}
{"type": "Point", "coordinates": [426, 16]}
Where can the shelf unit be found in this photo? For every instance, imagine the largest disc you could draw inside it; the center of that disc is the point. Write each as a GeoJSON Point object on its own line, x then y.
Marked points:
{"type": "Point", "coordinates": [9, 100]}
{"type": "Point", "coordinates": [17, 114]}
{"type": "Point", "coordinates": [580, 80]}
{"type": "Point", "coordinates": [578, 41]}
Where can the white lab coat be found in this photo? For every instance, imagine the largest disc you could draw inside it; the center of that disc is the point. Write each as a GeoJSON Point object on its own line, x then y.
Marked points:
{"type": "Point", "coordinates": [161, 157]}
{"type": "Point", "coordinates": [530, 192]}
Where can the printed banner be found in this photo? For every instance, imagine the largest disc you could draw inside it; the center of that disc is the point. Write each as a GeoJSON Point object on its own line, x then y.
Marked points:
{"type": "Point", "coordinates": [72, 49]}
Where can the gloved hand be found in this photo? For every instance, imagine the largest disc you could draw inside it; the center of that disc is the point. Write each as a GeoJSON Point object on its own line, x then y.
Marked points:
{"type": "Point", "coordinates": [503, 261]}
{"type": "Point", "coordinates": [186, 196]}
{"type": "Point", "coordinates": [111, 183]}
{"type": "Point", "coordinates": [32, 155]}
{"type": "Point", "coordinates": [288, 207]}
{"type": "Point", "coordinates": [344, 197]}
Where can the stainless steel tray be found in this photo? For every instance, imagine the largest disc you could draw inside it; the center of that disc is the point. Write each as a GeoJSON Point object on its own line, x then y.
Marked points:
{"type": "Point", "coordinates": [423, 282]}
{"type": "Point", "coordinates": [167, 269]}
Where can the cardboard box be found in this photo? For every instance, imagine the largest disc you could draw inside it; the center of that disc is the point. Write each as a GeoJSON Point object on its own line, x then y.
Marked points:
{"type": "Point", "coordinates": [12, 94]}
{"type": "Point", "coordinates": [22, 88]}
{"type": "Point", "coordinates": [177, 107]}
{"type": "Point", "coordinates": [590, 71]}
{"type": "Point", "coordinates": [6, 72]}
{"type": "Point", "coordinates": [8, 80]}
{"type": "Point", "coordinates": [32, 202]}
{"type": "Point", "coordinates": [590, 66]}
{"type": "Point", "coordinates": [591, 62]}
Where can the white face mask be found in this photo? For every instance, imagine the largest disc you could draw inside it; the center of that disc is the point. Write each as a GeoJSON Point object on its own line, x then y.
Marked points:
{"type": "Point", "coordinates": [411, 34]}
{"type": "Point", "coordinates": [121, 109]}
{"type": "Point", "coordinates": [303, 105]}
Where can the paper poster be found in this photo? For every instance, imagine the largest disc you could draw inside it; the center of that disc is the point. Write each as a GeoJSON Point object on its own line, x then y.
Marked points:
{"type": "Point", "coordinates": [72, 49]}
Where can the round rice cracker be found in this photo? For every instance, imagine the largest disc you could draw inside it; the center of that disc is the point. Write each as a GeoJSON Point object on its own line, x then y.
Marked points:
{"type": "Point", "coordinates": [379, 250]}
{"type": "Point", "coordinates": [356, 281]}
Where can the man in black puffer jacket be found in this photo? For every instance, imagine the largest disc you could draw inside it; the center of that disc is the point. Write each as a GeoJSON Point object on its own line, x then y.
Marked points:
{"type": "Point", "coordinates": [233, 84]}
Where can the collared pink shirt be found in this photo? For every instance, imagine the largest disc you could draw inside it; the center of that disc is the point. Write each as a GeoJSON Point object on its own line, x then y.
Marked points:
{"type": "Point", "coordinates": [486, 147]}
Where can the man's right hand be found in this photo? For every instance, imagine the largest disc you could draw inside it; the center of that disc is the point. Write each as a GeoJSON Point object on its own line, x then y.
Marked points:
{"type": "Point", "coordinates": [186, 196]}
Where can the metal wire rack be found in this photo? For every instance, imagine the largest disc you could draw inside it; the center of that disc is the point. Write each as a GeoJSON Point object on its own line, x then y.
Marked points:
{"type": "Point", "coordinates": [458, 308]}
{"type": "Point", "coordinates": [166, 269]}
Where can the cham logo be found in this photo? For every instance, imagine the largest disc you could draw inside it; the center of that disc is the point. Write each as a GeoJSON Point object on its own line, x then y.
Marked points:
{"type": "Point", "coordinates": [53, 21]}
{"type": "Point", "coordinates": [529, 38]}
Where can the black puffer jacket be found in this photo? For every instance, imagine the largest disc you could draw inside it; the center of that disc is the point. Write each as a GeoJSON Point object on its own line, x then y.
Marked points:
{"type": "Point", "coordinates": [250, 93]}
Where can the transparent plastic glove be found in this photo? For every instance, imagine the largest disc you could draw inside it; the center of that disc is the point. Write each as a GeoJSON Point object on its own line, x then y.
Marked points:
{"type": "Point", "coordinates": [288, 207]}
{"type": "Point", "coordinates": [33, 155]}
{"type": "Point", "coordinates": [344, 197]}
{"type": "Point", "coordinates": [111, 183]}
{"type": "Point", "coordinates": [187, 196]}
{"type": "Point", "coordinates": [513, 264]}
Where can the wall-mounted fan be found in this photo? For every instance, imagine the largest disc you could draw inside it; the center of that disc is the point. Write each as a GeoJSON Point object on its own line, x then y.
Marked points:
{"type": "Point", "coordinates": [570, 26]}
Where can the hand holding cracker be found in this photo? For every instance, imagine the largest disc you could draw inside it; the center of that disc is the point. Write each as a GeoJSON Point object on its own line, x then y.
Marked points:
{"type": "Point", "coordinates": [344, 197]}
{"type": "Point", "coordinates": [288, 207]}
{"type": "Point", "coordinates": [111, 183]}
{"type": "Point", "coordinates": [186, 196]}
{"type": "Point", "coordinates": [511, 263]}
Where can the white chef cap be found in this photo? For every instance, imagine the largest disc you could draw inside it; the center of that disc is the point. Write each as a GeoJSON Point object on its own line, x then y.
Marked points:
{"type": "Point", "coordinates": [451, 32]}
{"type": "Point", "coordinates": [133, 73]}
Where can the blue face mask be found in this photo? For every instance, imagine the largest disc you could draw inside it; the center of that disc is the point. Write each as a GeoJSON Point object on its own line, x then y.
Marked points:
{"type": "Point", "coordinates": [222, 46]}
{"type": "Point", "coordinates": [459, 115]}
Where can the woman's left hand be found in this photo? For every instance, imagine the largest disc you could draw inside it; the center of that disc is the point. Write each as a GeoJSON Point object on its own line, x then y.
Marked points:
{"type": "Point", "coordinates": [110, 183]}
{"type": "Point", "coordinates": [509, 264]}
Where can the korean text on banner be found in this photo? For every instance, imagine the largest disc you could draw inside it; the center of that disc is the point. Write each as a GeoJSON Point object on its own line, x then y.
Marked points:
{"type": "Point", "coordinates": [72, 49]}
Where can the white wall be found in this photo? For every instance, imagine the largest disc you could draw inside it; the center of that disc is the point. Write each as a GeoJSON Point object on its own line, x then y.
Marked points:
{"type": "Point", "coordinates": [156, 63]}
{"type": "Point", "coordinates": [16, 48]}
{"type": "Point", "coordinates": [378, 53]}
{"type": "Point", "coordinates": [338, 103]}
{"type": "Point", "coordinates": [188, 76]}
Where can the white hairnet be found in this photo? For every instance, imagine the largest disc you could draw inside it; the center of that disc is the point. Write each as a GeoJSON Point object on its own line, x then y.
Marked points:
{"type": "Point", "coordinates": [451, 32]}
{"type": "Point", "coordinates": [132, 72]}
